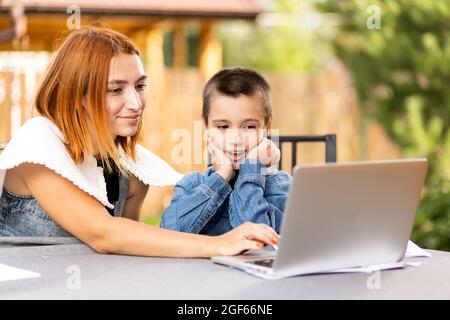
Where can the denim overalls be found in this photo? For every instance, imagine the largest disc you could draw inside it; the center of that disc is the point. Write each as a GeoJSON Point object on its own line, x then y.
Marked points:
{"type": "Point", "coordinates": [22, 216]}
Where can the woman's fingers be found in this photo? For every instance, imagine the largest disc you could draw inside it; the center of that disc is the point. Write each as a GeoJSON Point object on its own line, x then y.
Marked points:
{"type": "Point", "coordinates": [273, 234]}
{"type": "Point", "coordinates": [251, 244]}
{"type": "Point", "coordinates": [262, 233]}
{"type": "Point", "coordinates": [246, 236]}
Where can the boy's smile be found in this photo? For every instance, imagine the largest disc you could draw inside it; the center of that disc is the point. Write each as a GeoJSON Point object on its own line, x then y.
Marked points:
{"type": "Point", "coordinates": [236, 156]}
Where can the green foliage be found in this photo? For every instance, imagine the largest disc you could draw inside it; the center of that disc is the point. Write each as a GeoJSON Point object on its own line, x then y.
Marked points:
{"type": "Point", "coordinates": [402, 74]}
{"type": "Point", "coordinates": [279, 40]}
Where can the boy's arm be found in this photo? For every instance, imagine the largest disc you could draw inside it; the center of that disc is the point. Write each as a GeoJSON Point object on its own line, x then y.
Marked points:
{"type": "Point", "coordinates": [258, 198]}
{"type": "Point", "coordinates": [196, 199]}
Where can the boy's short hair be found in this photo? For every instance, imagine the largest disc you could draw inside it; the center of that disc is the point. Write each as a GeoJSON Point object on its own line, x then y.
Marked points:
{"type": "Point", "coordinates": [236, 81]}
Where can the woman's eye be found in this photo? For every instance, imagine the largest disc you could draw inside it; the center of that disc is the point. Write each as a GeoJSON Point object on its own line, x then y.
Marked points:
{"type": "Point", "coordinates": [141, 86]}
{"type": "Point", "coordinates": [115, 90]}
{"type": "Point", "coordinates": [251, 127]}
{"type": "Point", "coordinates": [222, 127]}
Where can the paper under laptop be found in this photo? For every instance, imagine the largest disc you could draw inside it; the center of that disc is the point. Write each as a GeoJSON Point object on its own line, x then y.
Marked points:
{"type": "Point", "coordinates": [412, 251]}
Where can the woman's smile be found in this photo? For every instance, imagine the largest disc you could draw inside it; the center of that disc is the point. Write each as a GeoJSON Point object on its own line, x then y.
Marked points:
{"type": "Point", "coordinates": [131, 118]}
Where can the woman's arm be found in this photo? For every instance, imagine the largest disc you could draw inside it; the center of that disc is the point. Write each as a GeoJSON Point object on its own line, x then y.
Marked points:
{"type": "Point", "coordinates": [87, 219]}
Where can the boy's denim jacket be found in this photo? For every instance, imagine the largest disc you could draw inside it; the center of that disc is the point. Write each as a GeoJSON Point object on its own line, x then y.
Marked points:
{"type": "Point", "coordinates": [207, 204]}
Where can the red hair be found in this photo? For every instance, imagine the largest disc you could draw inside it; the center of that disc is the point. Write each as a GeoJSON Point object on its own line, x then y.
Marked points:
{"type": "Point", "coordinates": [80, 69]}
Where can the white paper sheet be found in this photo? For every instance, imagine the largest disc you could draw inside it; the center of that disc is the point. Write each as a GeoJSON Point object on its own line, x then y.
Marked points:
{"type": "Point", "coordinates": [413, 250]}
{"type": "Point", "coordinates": [368, 269]}
{"type": "Point", "coordinates": [12, 273]}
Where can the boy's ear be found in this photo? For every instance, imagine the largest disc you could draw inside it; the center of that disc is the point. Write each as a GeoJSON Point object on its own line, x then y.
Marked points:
{"type": "Point", "coordinates": [205, 126]}
{"type": "Point", "coordinates": [268, 126]}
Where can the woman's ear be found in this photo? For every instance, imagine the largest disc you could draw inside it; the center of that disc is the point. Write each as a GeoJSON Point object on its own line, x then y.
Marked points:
{"type": "Point", "coordinates": [84, 102]}
{"type": "Point", "coordinates": [84, 105]}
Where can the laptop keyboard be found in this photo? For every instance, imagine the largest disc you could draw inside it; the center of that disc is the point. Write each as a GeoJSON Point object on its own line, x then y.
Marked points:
{"type": "Point", "coordinates": [264, 263]}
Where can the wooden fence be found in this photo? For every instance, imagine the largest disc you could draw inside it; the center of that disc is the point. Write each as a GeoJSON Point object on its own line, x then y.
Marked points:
{"type": "Point", "coordinates": [303, 104]}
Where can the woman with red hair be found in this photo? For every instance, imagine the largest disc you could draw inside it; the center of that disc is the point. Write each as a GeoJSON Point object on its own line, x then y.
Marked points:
{"type": "Point", "coordinates": [77, 170]}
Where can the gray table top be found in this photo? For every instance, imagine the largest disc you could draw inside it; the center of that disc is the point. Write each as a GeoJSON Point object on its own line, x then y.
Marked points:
{"type": "Point", "coordinates": [126, 277]}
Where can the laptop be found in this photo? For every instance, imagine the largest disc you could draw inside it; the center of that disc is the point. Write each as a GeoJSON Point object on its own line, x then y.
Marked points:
{"type": "Point", "coordinates": [341, 215]}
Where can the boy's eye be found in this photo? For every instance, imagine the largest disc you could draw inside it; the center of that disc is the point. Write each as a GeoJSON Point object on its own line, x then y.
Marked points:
{"type": "Point", "coordinates": [222, 127]}
{"type": "Point", "coordinates": [250, 127]}
{"type": "Point", "coordinates": [141, 86]}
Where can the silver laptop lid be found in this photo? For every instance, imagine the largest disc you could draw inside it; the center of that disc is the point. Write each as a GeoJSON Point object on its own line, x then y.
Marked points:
{"type": "Point", "coordinates": [349, 214]}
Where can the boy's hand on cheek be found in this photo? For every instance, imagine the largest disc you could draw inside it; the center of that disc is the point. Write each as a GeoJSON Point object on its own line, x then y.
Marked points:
{"type": "Point", "coordinates": [266, 152]}
{"type": "Point", "coordinates": [221, 163]}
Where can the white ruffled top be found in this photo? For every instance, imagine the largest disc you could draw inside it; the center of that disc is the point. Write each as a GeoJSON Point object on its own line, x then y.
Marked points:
{"type": "Point", "coordinates": [40, 141]}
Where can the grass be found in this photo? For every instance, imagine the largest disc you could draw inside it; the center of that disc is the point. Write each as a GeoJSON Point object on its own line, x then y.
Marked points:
{"type": "Point", "coordinates": [152, 220]}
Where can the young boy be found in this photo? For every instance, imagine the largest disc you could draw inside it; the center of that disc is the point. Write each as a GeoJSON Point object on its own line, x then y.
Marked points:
{"type": "Point", "coordinates": [237, 187]}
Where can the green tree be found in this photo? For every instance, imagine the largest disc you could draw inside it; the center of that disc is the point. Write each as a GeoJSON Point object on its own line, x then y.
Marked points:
{"type": "Point", "coordinates": [401, 71]}
{"type": "Point", "coordinates": [279, 40]}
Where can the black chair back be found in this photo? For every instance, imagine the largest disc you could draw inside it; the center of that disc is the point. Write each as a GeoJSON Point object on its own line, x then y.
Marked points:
{"type": "Point", "coordinates": [328, 139]}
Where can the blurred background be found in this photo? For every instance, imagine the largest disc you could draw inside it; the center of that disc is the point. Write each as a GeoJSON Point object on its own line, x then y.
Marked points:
{"type": "Point", "coordinates": [375, 73]}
